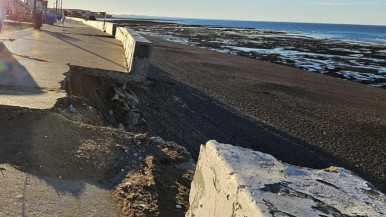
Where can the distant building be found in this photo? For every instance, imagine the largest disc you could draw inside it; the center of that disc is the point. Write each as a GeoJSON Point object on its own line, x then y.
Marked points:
{"type": "Point", "coordinates": [12, 6]}
{"type": "Point", "coordinates": [86, 13]}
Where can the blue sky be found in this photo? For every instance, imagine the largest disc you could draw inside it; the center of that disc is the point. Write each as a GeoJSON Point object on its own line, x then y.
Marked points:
{"type": "Point", "coordinates": [321, 11]}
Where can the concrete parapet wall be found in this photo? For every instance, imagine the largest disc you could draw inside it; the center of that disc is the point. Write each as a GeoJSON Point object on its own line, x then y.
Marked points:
{"type": "Point", "coordinates": [138, 51]}
{"type": "Point", "coordinates": [234, 181]}
{"type": "Point", "coordinates": [75, 19]}
{"type": "Point", "coordinates": [108, 27]}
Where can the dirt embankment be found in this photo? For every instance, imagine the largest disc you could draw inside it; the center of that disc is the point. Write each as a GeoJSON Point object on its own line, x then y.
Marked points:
{"type": "Point", "coordinates": [299, 117]}
{"type": "Point", "coordinates": [181, 113]}
{"type": "Point", "coordinates": [103, 132]}
{"type": "Point", "coordinates": [97, 135]}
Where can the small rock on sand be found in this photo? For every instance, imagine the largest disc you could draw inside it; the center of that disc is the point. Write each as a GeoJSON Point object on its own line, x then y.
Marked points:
{"type": "Point", "coordinates": [158, 140]}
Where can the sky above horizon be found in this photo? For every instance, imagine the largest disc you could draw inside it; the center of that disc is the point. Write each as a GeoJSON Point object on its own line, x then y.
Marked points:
{"type": "Point", "coordinates": [317, 11]}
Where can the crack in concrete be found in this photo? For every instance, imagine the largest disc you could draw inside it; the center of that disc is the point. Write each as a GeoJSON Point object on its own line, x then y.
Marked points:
{"type": "Point", "coordinates": [283, 189]}
{"type": "Point", "coordinates": [275, 211]}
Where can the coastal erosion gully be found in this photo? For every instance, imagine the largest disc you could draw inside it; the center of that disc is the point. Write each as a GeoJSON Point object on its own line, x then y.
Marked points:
{"type": "Point", "coordinates": [104, 132]}
{"type": "Point", "coordinates": [97, 135]}
{"type": "Point", "coordinates": [188, 116]}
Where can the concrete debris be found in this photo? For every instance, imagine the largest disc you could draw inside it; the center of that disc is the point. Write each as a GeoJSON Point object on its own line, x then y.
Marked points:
{"type": "Point", "coordinates": [113, 100]}
{"type": "Point", "coordinates": [150, 176]}
{"type": "Point", "coordinates": [157, 140]}
{"type": "Point", "coordinates": [139, 136]}
{"type": "Point", "coordinates": [71, 108]}
{"type": "Point", "coordinates": [235, 181]}
{"type": "Point", "coordinates": [175, 146]}
{"type": "Point", "coordinates": [121, 127]}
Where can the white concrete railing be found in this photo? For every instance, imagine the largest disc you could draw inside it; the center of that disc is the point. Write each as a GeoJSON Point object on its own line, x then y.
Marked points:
{"type": "Point", "coordinates": [76, 19]}
{"type": "Point", "coordinates": [235, 181]}
{"type": "Point", "coordinates": [108, 27]}
{"type": "Point", "coordinates": [138, 51]}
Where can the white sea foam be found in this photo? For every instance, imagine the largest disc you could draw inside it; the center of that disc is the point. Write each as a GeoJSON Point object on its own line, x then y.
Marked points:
{"type": "Point", "coordinates": [360, 76]}
{"type": "Point", "coordinates": [299, 57]}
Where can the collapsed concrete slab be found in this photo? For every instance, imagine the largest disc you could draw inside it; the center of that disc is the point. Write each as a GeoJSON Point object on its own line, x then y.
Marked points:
{"type": "Point", "coordinates": [138, 51]}
{"type": "Point", "coordinates": [234, 181]}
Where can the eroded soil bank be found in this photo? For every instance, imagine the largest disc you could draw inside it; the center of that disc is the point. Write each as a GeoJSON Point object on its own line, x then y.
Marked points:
{"type": "Point", "coordinates": [106, 130]}
{"type": "Point", "coordinates": [178, 112]}
{"type": "Point", "coordinates": [85, 138]}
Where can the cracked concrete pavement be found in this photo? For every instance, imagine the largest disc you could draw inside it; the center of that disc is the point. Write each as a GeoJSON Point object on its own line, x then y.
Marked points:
{"type": "Point", "coordinates": [32, 64]}
{"type": "Point", "coordinates": [23, 194]}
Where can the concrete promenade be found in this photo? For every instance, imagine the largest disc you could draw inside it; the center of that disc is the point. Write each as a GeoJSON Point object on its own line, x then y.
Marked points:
{"type": "Point", "coordinates": [33, 62]}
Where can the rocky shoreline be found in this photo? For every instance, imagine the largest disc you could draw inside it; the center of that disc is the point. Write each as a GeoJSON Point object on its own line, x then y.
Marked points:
{"type": "Point", "coordinates": [356, 61]}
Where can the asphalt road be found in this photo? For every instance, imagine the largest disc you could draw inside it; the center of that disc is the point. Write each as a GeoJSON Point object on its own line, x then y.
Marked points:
{"type": "Point", "coordinates": [341, 120]}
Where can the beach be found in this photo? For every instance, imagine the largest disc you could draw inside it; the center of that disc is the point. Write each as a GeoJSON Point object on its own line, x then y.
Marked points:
{"type": "Point", "coordinates": [300, 106]}
{"type": "Point", "coordinates": [302, 118]}
{"type": "Point", "coordinates": [359, 61]}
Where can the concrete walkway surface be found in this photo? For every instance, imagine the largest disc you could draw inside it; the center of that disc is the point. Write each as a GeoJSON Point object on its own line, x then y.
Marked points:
{"type": "Point", "coordinates": [32, 65]}
{"type": "Point", "coordinates": [32, 62]}
{"type": "Point", "coordinates": [25, 195]}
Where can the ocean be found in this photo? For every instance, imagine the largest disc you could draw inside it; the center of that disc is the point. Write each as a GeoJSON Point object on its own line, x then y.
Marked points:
{"type": "Point", "coordinates": [360, 33]}
{"type": "Point", "coordinates": [351, 52]}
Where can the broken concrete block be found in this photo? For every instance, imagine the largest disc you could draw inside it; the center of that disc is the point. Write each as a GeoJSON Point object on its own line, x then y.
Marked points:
{"type": "Point", "coordinates": [235, 181]}
{"type": "Point", "coordinates": [157, 140]}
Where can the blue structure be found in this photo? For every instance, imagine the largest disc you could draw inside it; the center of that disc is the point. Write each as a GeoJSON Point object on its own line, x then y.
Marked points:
{"type": "Point", "coordinates": [50, 18]}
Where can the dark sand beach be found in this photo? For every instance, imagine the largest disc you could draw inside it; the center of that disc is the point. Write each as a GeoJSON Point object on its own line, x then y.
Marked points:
{"type": "Point", "coordinates": [303, 118]}
{"type": "Point", "coordinates": [358, 61]}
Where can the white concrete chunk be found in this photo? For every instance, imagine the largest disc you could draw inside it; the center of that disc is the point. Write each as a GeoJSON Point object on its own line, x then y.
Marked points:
{"type": "Point", "coordinates": [234, 181]}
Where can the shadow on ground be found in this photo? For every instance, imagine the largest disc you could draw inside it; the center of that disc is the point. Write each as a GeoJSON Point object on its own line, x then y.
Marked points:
{"type": "Point", "coordinates": [68, 147]}
{"type": "Point", "coordinates": [73, 41]}
{"type": "Point", "coordinates": [186, 115]}
{"type": "Point", "coordinates": [45, 144]}
{"type": "Point", "coordinates": [14, 77]}
{"type": "Point", "coordinates": [66, 155]}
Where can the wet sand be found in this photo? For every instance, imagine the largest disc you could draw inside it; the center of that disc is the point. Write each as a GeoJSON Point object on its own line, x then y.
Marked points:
{"type": "Point", "coordinates": [341, 120]}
